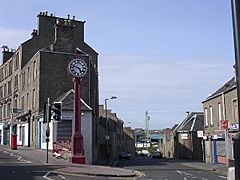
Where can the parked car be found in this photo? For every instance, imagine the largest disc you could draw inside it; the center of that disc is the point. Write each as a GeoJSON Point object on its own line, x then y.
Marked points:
{"type": "Point", "coordinates": [157, 155]}
{"type": "Point", "coordinates": [123, 155]}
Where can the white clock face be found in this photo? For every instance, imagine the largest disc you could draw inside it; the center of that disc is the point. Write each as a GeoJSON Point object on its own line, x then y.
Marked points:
{"type": "Point", "coordinates": [77, 67]}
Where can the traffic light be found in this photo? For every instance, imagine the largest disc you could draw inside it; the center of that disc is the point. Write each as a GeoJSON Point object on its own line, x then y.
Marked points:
{"type": "Point", "coordinates": [57, 111]}
{"type": "Point", "coordinates": [46, 112]}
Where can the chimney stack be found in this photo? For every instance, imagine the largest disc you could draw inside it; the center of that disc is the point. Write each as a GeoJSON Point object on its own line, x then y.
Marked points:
{"type": "Point", "coordinates": [7, 53]}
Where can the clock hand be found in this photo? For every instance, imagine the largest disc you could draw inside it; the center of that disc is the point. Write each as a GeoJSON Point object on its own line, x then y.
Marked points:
{"type": "Point", "coordinates": [79, 69]}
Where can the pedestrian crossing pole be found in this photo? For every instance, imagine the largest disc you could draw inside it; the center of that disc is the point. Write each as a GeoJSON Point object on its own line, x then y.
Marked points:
{"type": "Point", "coordinates": [48, 111]}
{"type": "Point", "coordinates": [236, 32]}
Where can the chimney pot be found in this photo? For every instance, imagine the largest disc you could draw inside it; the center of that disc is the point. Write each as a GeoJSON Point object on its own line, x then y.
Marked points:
{"type": "Point", "coordinates": [73, 17]}
{"type": "Point", "coordinates": [46, 13]}
{"type": "Point", "coordinates": [68, 16]}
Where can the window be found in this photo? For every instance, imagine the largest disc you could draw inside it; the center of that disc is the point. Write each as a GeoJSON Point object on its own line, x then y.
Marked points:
{"type": "Point", "coordinates": [211, 115]}
{"type": "Point", "coordinates": [33, 99]}
{"type": "Point", "coordinates": [34, 69]}
{"type": "Point", "coordinates": [23, 80]}
{"type": "Point", "coordinates": [5, 90]}
{"type": "Point", "coordinates": [8, 110]}
{"type": "Point", "coordinates": [16, 82]}
{"type": "Point", "coordinates": [27, 104]}
{"type": "Point", "coordinates": [10, 67]}
{"type": "Point", "coordinates": [219, 112]}
{"type": "Point", "coordinates": [4, 111]}
{"type": "Point", "coordinates": [1, 74]}
{"type": "Point", "coordinates": [15, 103]}
{"type": "Point", "coordinates": [28, 75]}
{"type": "Point", "coordinates": [206, 116]}
{"type": "Point", "coordinates": [235, 110]}
{"type": "Point", "coordinates": [9, 87]}
{"type": "Point", "coordinates": [1, 92]}
{"type": "Point", "coordinates": [17, 60]}
{"type": "Point", "coordinates": [6, 70]}
{"type": "Point", "coordinates": [22, 105]}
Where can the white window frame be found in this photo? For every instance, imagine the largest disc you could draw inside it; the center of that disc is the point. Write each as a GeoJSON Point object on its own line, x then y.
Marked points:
{"type": "Point", "coordinates": [206, 116]}
{"type": "Point", "coordinates": [211, 115]}
{"type": "Point", "coordinates": [220, 112]}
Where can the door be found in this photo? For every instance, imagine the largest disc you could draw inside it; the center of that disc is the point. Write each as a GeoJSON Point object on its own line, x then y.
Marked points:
{"type": "Point", "coordinates": [23, 135]}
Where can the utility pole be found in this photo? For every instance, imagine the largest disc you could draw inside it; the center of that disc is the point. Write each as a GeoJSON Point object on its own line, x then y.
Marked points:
{"type": "Point", "coordinates": [236, 32]}
{"type": "Point", "coordinates": [147, 119]}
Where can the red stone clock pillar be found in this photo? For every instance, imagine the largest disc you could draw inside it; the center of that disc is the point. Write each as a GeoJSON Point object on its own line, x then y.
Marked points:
{"type": "Point", "coordinates": [77, 155]}
{"type": "Point", "coordinates": [78, 68]}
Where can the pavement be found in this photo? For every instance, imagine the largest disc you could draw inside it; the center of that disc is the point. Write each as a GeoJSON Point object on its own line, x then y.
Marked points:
{"type": "Point", "coordinates": [61, 165]}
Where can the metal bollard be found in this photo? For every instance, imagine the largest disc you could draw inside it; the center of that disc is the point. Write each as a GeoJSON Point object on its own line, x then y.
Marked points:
{"type": "Point", "coordinates": [237, 156]}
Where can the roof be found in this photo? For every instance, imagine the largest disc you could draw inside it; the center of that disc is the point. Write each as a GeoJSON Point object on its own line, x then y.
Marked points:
{"type": "Point", "coordinates": [67, 101]}
{"type": "Point", "coordinates": [193, 122]}
{"type": "Point", "coordinates": [225, 88]}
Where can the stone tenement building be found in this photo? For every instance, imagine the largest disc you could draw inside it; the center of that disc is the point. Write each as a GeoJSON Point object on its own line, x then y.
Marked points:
{"type": "Point", "coordinates": [38, 70]}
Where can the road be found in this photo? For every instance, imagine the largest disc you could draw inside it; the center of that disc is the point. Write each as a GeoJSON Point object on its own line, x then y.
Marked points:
{"type": "Point", "coordinates": [15, 167]}
{"type": "Point", "coordinates": [159, 169]}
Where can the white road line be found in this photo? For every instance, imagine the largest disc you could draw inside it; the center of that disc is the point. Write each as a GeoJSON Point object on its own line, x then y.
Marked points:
{"type": "Point", "coordinates": [223, 177]}
{"type": "Point", "coordinates": [45, 176]}
{"type": "Point", "coordinates": [17, 162]}
{"type": "Point", "coordinates": [61, 176]}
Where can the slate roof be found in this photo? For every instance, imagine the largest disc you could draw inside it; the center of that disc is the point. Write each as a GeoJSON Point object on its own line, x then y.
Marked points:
{"type": "Point", "coordinates": [226, 87]}
{"type": "Point", "coordinates": [67, 101]}
{"type": "Point", "coordinates": [193, 122]}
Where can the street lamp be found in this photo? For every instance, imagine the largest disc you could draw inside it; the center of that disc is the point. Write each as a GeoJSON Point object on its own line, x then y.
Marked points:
{"type": "Point", "coordinates": [107, 127]}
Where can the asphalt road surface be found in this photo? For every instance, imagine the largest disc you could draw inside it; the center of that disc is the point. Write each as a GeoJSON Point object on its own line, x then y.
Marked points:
{"type": "Point", "coordinates": [159, 169]}
{"type": "Point", "coordinates": [14, 167]}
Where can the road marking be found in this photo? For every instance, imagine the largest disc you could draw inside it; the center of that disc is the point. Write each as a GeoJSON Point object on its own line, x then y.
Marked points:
{"type": "Point", "coordinates": [45, 176]}
{"type": "Point", "coordinates": [61, 176]}
{"type": "Point", "coordinates": [139, 173]}
{"type": "Point", "coordinates": [72, 174]}
{"type": "Point", "coordinates": [16, 162]}
{"type": "Point", "coordinates": [186, 174]}
{"type": "Point", "coordinates": [19, 158]}
{"type": "Point", "coordinates": [223, 177]}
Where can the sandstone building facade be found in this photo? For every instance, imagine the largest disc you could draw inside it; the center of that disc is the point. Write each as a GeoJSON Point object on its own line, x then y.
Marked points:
{"type": "Point", "coordinates": [37, 70]}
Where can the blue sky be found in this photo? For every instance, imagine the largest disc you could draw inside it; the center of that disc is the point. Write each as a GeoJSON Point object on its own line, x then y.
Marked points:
{"type": "Point", "coordinates": [164, 56]}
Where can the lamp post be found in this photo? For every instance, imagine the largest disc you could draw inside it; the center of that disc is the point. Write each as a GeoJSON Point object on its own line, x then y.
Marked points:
{"type": "Point", "coordinates": [107, 128]}
{"type": "Point", "coordinates": [236, 32]}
